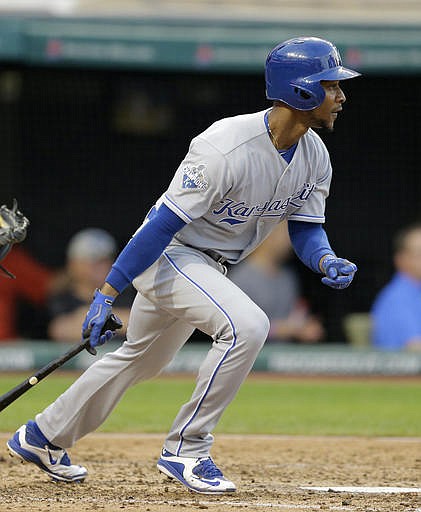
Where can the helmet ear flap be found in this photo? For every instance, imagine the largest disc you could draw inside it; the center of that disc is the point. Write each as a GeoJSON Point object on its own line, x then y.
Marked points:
{"type": "Point", "coordinates": [308, 95]}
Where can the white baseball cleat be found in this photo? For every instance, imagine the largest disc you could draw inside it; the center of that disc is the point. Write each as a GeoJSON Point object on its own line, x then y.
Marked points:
{"type": "Point", "coordinates": [30, 445]}
{"type": "Point", "coordinates": [198, 474]}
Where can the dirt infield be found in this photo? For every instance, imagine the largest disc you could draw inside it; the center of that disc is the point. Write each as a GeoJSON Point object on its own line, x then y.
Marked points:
{"type": "Point", "coordinates": [269, 471]}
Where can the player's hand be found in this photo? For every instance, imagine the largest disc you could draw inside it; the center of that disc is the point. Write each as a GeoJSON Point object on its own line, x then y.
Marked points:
{"type": "Point", "coordinates": [98, 314]}
{"type": "Point", "coordinates": [339, 272]}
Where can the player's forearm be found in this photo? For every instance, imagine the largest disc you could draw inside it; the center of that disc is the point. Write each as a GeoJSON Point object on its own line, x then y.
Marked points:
{"type": "Point", "coordinates": [142, 250]}
{"type": "Point", "coordinates": [107, 289]}
{"type": "Point", "coordinates": [310, 243]}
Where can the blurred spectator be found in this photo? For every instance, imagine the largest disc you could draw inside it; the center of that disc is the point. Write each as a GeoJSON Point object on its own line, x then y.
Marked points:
{"type": "Point", "coordinates": [32, 285]}
{"type": "Point", "coordinates": [90, 254]}
{"type": "Point", "coordinates": [274, 286]}
{"type": "Point", "coordinates": [396, 312]}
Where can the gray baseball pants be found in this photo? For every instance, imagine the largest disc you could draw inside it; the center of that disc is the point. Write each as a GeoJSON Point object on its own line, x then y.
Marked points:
{"type": "Point", "coordinates": [183, 290]}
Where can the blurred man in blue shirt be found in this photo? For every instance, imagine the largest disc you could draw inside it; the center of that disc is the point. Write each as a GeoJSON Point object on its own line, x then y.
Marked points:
{"type": "Point", "coordinates": [396, 311]}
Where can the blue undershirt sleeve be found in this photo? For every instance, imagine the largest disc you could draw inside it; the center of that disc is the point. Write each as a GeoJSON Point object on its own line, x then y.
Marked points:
{"type": "Point", "coordinates": [310, 242]}
{"type": "Point", "coordinates": [145, 247]}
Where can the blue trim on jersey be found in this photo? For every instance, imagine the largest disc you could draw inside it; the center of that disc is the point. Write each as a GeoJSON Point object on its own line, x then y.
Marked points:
{"type": "Point", "coordinates": [286, 154]}
{"type": "Point", "coordinates": [145, 247]}
{"type": "Point", "coordinates": [212, 378]}
{"type": "Point", "coordinates": [310, 242]}
{"type": "Point", "coordinates": [178, 208]}
{"type": "Point", "coordinates": [306, 215]}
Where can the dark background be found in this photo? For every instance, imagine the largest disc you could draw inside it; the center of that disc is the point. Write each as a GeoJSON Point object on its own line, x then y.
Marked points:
{"type": "Point", "coordinates": [83, 148]}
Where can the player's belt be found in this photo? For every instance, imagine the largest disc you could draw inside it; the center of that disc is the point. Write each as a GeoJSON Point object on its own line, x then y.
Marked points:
{"type": "Point", "coordinates": [210, 252]}
{"type": "Point", "coordinates": [215, 256]}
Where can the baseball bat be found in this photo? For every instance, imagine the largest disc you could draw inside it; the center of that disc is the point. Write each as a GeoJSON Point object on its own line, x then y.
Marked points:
{"type": "Point", "coordinates": [111, 324]}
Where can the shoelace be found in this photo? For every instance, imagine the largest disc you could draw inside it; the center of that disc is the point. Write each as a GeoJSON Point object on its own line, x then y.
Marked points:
{"type": "Point", "coordinates": [207, 469]}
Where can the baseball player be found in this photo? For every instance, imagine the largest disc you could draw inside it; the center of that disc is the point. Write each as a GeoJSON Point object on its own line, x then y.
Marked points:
{"type": "Point", "coordinates": [240, 178]}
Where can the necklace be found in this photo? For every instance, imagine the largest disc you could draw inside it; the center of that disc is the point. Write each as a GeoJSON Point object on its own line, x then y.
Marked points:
{"type": "Point", "coordinates": [273, 138]}
{"type": "Point", "coordinates": [271, 135]}
{"type": "Point", "coordinates": [275, 142]}
{"type": "Point", "coordinates": [288, 153]}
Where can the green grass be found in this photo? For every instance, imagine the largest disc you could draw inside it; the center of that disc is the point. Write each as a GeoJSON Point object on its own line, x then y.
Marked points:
{"type": "Point", "coordinates": [266, 406]}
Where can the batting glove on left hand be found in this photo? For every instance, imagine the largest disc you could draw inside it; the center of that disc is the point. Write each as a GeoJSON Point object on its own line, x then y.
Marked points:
{"type": "Point", "coordinates": [339, 272]}
{"type": "Point", "coordinates": [99, 312]}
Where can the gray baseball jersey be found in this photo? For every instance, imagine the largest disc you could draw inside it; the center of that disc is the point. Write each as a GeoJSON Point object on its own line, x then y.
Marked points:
{"type": "Point", "coordinates": [233, 186]}
{"type": "Point", "coordinates": [231, 189]}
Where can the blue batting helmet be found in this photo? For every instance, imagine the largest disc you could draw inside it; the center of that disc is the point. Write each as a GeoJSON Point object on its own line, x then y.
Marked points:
{"type": "Point", "coordinates": [295, 68]}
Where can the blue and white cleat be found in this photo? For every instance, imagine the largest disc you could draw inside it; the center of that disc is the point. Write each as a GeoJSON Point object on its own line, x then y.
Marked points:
{"type": "Point", "coordinates": [198, 474]}
{"type": "Point", "coordinates": [30, 445]}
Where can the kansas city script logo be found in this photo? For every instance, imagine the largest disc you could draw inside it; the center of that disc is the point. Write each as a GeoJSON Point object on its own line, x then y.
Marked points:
{"type": "Point", "coordinates": [237, 212]}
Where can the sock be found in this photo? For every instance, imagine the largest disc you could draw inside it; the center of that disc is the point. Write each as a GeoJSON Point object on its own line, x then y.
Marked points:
{"type": "Point", "coordinates": [34, 434]}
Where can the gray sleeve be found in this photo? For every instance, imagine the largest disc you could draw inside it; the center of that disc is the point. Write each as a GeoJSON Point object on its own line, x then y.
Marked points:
{"type": "Point", "coordinates": [201, 180]}
{"type": "Point", "coordinates": [313, 210]}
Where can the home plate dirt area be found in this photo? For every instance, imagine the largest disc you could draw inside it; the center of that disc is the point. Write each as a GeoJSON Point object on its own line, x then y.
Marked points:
{"type": "Point", "coordinates": [279, 473]}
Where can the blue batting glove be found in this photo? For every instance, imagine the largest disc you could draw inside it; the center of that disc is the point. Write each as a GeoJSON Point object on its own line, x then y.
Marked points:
{"type": "Point", "coordinates": [98, 314]}
{"type": "Point", "coordinates": [339, 272]}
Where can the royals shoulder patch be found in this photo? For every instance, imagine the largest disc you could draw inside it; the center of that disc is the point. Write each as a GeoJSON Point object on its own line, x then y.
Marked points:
{"type": "Point", "coordinates": [194, 177]}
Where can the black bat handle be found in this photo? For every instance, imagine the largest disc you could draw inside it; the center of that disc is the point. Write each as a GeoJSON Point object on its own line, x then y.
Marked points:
{"type": "Point", "coordinates": [112, 323]}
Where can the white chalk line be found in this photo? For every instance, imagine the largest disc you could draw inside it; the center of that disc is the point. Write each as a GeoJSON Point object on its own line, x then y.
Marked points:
{"type": "Point", "coordinates": [248, 504]}
{"type": "Point", "coordinates": [205, 503]}
{"type": "Point", "coordinates": [368, 490]}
